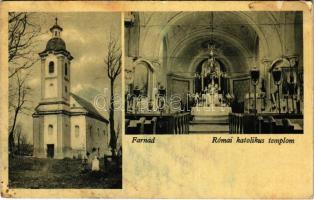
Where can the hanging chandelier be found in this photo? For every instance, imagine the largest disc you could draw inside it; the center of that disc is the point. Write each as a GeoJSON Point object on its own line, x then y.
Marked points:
{"type": "Point", "coordinates": [211, 48]}
{"type": "Point", "coordinates": [211, 59]}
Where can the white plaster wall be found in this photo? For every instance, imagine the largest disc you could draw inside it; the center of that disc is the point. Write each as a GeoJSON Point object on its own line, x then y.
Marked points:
{"type": "Point", "coordinates": [50, 139]}
{"type": "Point", "coordinates": [51, 88]}
{"type": "Point", "coordinates": [75, 106]}
{"type": "Point", "coordinates": [95, 140]}
{"type": "Point", "coordinates": [78, 143]}
{"type": "Point", "coordinates": [51, 78]}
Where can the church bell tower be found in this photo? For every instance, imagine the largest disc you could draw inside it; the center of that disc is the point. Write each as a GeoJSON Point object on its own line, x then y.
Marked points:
{"type": "Point", "coordinates": [55, 68]}
{"type": "Point", "coordinates": [51, 120]}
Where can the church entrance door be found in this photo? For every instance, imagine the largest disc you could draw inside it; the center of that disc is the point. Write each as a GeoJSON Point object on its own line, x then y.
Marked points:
{"type": "Point", "coordinates": [50, 150]}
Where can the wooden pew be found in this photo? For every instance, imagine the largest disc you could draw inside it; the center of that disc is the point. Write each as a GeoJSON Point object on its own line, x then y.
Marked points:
{"type": "Point", "coordinates": [150, 126]}
{"type": "Point", "coordinates": [135, 126]}
{"type": "Point", "coordinates": [176, 123]}
{"type": "Point", "coordinates": [265, 123]}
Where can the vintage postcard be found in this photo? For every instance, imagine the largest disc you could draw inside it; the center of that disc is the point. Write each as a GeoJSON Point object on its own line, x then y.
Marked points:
{"type": "Point", "coordinates": [156, 99]}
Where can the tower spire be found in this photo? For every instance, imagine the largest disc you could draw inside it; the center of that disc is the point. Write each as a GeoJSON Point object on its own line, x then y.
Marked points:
{"type": "Point", "coordinates": [56, 29]}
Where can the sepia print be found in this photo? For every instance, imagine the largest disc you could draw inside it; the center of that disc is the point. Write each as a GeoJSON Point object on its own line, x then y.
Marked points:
{"type": "Point", "coordinates": [213, 72]}
{"type": "Point", "coordinates": [82, 80]}
{"type": "Point", "coordinates": [64, 69]}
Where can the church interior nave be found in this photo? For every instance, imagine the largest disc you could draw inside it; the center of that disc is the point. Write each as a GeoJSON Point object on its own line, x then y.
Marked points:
{"type": "Point", "coordinates": [213, 72]}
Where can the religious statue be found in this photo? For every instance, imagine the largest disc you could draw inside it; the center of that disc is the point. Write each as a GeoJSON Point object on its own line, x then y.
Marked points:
{"type": "Point", "coordinates": [196, 99]}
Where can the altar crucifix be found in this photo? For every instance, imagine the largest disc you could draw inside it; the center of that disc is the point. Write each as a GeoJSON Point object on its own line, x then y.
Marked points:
{"type": "Point", "coordinates": [210, 79]}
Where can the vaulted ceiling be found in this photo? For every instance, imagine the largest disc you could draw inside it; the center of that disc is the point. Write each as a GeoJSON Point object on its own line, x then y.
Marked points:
{"type": "Point", "coordinates": [178, 40]}
{"type": "Point", "coordinates": [188, 36]}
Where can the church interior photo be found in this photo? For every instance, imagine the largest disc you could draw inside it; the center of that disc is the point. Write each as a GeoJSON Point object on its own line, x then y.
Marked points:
{"type": "Point", "coordinates": [213, 72]}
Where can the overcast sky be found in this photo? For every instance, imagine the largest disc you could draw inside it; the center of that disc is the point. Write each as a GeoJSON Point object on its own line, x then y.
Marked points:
{"type": "Point", "coordinates": [86, 36]}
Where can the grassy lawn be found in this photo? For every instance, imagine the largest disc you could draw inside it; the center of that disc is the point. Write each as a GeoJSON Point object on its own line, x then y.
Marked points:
{"type": "Point", "coordinates": [28, 172]}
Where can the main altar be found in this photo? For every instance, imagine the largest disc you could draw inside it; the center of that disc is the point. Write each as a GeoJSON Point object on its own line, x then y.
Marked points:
{"type": "Point", "coordinates": [211, 107]}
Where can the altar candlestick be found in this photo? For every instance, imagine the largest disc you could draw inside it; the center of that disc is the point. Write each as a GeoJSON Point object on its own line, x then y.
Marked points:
{"type": "Point", "coordinates": [255, 74]}
{"type": "Point", "coordinates": [219, 83]}
{"type": "Point", "coordinates": [202, 81]}
{"type": "Point", "coordinates": [213, 81]}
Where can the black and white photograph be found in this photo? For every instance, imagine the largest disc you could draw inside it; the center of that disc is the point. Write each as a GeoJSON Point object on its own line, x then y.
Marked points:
{"type": "Point", "coordinates": [203, 72]}
{"type": "Point", "coordinates": [64, 127]}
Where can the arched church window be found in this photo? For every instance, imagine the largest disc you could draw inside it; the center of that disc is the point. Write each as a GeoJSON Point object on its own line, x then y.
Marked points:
{"type": "Point", "coordinates": [66, 69]}
{"type": "Point", "coordinates": [50, 129]}
{"type": "Point", "coordinates": [77, 130]}
{"type": "Point", "coordinates": [51, 67]}
{"type": "Point", "coordinates": [141, 78]}
{"type": "Point", "coordinates": [98, 132]}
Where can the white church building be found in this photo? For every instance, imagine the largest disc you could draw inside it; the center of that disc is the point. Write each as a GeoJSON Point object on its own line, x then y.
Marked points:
{"type": "Point", "coordinates": [64, 124]}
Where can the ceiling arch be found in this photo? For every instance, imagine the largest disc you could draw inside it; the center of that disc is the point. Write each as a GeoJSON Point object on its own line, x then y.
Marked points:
{"type": "Point", "coordinates": [249, 24]}
{"type": "Point", "coordinates": [206, 35]}
{"type": "Point", "coordinates": [202, 56]}
{"type": "Point", "coordinates": [145, 61]}
{"type": "Point", "coordinates": [228, 47]}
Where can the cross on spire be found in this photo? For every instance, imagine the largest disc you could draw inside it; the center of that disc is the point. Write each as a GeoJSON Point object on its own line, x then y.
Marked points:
{"type": "Point", "coordinates": [56, 29]}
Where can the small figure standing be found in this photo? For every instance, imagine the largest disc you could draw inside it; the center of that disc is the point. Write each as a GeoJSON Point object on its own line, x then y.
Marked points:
{"type": "Point", "coordinates": [85, 167]}
{"type": "Point", "coordinates": [95, 164]}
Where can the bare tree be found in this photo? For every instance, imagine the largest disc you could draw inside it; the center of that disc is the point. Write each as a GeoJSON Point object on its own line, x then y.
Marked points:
{"type": "Point", "coordinates": [24, 146]}
{"type": "Point", "coordinates": [22, 56]}
{"type": "Point", "coordinates": [113, 67]}
{"type": "Point", "coordinates": [18, 98]}
{"type": "Point", "coordinates": [22, 35]}
{"type": "Point", "coordinates": [17, 137]}
{"type": "Point", "coordinates": [22, 143]}
{"type": "Point", "coordinates": [20, 140]}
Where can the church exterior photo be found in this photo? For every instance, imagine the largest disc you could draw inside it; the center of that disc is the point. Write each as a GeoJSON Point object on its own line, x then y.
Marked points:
{"type": "Point", "coordinates": [65, 125]}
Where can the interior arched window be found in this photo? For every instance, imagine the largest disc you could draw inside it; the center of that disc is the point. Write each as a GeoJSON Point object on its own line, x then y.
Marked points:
{"type": "Point", "coordinates": [66, 69]}
{"type": "Point", "coordinates": [142, 76]}
{"type": "Point", "coordinates": [51, 67]}
{"type": "Point", "coordinates": [77, 130]}
{"type": "Point", "coordinates": [50, 129]}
